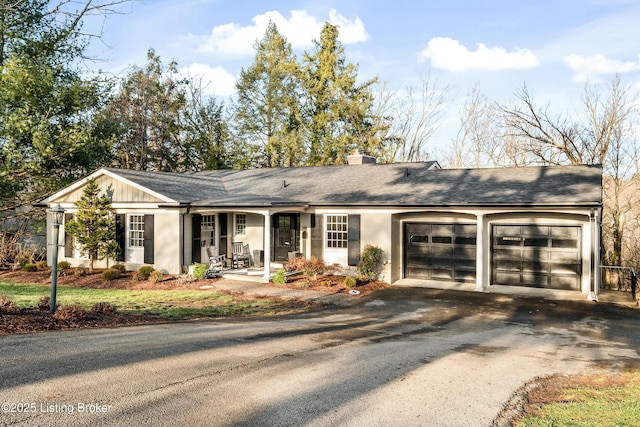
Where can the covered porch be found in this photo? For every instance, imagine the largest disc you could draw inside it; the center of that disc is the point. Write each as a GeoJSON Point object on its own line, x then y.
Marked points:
{"type": "Point", "coordinates": [248, 242]}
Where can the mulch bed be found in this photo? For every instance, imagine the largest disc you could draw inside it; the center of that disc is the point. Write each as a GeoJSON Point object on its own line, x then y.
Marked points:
{"type": "Point", "coordinates": [30, 320]}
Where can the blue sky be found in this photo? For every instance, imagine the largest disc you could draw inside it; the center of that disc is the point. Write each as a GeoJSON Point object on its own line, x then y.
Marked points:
{"type": "Point", "coordinates": [554, 46]}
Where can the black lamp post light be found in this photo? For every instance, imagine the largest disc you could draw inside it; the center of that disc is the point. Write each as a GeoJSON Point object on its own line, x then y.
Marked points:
{"type": "Point", "coordinates": [56, 214]}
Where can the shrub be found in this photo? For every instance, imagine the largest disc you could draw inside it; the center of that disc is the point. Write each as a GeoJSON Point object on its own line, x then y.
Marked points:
{"type": "Point", "coordinates": [63, 266]}
{"type": "Point", "coordinates": [80, 272]}
{"type": "Point", "coordinates": [200, 271]}
{"type": "Point", "coordinates": [110, 274]}
{"type": "Point", "coordinates": [120, 267]}
{"type": "Point", "coordinates": [7, 303]}
{"type": "Point", "coordinates": [143, 273]}
{"type": "Point", "coordinates": [42, 265]}
{"type": "Point", "coordinates": [370, 263]}
{"type": "Point", "coordinates": [326, 283]}
{"type": "Point", "coordinates": [310, 267]}
{"type": "Point", "coordinates": [350, 282]}
{"type": "Point", "coordinates": [280, 278]}
{"type": "Point", "coordinates": [156, 276]}
{"type": "Point", "coordinates": [104, 308]}
{"type": "Point", "coordinates": [44, 303]}
{"type": "Point", "coordinates": [72, 313]}
{"type": "Point", "coordinates": [30, 267]}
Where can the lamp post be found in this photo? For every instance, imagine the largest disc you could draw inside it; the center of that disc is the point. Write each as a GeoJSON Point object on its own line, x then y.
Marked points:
{"type": "Point", "coordinates": [57, 213]}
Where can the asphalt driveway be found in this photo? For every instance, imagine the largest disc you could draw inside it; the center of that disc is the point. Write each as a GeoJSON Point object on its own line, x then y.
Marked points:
{"type": "Point", "coordinates": [403, 357]}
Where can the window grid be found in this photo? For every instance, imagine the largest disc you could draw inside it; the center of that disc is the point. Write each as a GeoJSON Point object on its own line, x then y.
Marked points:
{"type": "Point", "coordinates": [207, 230]}
{"type": "Point", "coordinates": [241, 224]}
{"type": "Point", "coordinates": [337, 235]}
{"type": "Point", "coordinates": [136, 230]}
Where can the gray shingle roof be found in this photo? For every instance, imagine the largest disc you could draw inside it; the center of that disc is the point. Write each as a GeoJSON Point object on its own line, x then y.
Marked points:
{"type": "Point", "coordinates": [396, 184]}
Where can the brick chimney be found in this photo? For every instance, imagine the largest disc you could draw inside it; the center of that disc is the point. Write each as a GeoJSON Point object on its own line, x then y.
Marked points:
{"type": "Point", "coordinates": [358, 158]}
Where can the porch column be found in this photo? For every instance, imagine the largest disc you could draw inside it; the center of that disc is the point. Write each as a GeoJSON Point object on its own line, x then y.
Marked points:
{"type": "Point", "coordinates": [480, 250]}
{"type": "Point", "coordinates": [267, 245]}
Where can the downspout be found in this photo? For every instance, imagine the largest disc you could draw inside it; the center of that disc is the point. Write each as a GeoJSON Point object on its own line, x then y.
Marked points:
{"type": "Point", "coordinates": [595, 248]}
{"type": "Point", "coordinates": [184, 215]}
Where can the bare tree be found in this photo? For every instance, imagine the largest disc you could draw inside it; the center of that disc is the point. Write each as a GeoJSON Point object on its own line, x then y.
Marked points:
{"type": "Point", "coordinates": [557, 139]}
{"type": "Point", "coordinates": [603, 135]}
{"type": "Point", "coordinates": [412, 118]}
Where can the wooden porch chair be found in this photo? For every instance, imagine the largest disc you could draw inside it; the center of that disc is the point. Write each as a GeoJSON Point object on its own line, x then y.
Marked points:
{"type": "Point", "coordinates": [240, 254]}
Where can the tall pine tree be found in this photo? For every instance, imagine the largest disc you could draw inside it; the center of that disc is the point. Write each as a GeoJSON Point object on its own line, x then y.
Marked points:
{"type": "Point", "coordinates": [266, 111]}
{"type": "Point", "coordinates": [93, 228]}
{"type": "Point", "coordinates": [338, 110]}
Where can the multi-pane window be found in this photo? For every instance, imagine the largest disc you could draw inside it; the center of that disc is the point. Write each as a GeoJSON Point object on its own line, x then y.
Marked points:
{"type": "Point", "coordinates": [337, 236]}
{"type": "Point", "coordinates": [241, 224]}
{"type": "Point", "coordinates": [136, 230]}
{"type": "Point", "coordinates": [208, 230]}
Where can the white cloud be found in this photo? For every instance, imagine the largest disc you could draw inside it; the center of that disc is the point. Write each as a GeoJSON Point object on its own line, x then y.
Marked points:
{"type": "Point", "coordinates": [591, 67]}
{"type": "Point", "coordinates": [215, 80]}
{"type": "Point", "coordinates": [299, 28]}
{"type": "Point", "coordinates": [449, 54]}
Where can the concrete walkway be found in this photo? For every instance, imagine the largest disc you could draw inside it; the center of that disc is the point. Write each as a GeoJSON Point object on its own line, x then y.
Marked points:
{"type": "Point", "coordinates": [256, 288]}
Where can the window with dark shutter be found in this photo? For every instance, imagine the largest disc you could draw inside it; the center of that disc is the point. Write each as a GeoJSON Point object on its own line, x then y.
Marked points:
{"type": "Point", "coordinates": [354, 240]}
{"type": "Point", "coordinates": [148, 239]}
{"type": "Point", "coordinates": [196, 230]}
{"type": "Point", "coordinates": [121, 235]}
{"type": "Point", "coordinates": [68, 239]}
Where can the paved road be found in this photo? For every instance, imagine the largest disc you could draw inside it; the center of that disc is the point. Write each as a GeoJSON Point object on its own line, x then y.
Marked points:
{"type": "Point", "coordinates": [405, 357]}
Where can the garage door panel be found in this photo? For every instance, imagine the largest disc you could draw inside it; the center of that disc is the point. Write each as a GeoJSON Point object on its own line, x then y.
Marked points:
{"type": "Point", "coordinates": [542, 267]}
{"type": "Point", "coordinates": [467, 252]}
{"type": "Point", "coordinates": [534, 254]}
{"type": "Point", "coordinates": [508, 230]}
{"type": "Point", "coordinates": [566, 256]}
{"type": "Point", "coordinates": [506, 278]}
{"type": "Point", "coordinates": [565, 268]}
{"type": "Point", "coordinates": [535, 230]}
{"type": "Point", "coordinates": [538, 256]}
{"type": "Point", "coordinates": [507, 253]}
{"type": "Point", "coordinates": [564, 282]}
{"type": "Point", "coordinates": [440, 251]}
{"type": "Point", "coordinates": [570, 232]}
{"type": "Point", "coordinates": [508, 265]}
{"type": "Point", "coordinates": [564, 243]}
{"type": "Point", "coordinates": [440, 262]}
{"type": "Point", "coordinates": [540, 242]}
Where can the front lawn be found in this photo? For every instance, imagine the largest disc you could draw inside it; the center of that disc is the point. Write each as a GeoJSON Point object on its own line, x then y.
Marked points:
{"type": "Point", "coordinates": [19, 310]}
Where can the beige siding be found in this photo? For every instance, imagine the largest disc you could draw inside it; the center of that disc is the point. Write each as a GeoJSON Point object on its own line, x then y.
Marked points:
{"type": "Point", "coordinates": [115, 189]}
{"type": "Point", "coordinates": [167, 242]}
{"type": "Point", "coordinates": [375, 229]}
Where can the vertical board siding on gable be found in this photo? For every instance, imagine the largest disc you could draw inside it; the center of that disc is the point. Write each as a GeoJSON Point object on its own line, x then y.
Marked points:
{"type": "Point", "coordinates": [117, 191]}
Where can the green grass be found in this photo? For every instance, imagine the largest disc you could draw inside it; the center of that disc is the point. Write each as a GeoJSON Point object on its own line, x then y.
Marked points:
{"type": "Point", "coordinates": [593, 405]}
{"type": "Point", "coordinates": [177, 304]}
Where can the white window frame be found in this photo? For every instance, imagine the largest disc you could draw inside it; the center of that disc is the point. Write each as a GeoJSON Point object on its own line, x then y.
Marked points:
{"type": "Point", "coordinates": [135, 237]}
{"type": "Point", "coordinates": [240, 224]}
{"type": "Point", "coordinates": [208, 230]}
{"type": "Point", "coordinates": [336, 231]}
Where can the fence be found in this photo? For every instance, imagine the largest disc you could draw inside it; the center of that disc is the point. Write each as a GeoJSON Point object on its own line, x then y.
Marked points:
{"type": "Point", "coordinates": [619, 279]}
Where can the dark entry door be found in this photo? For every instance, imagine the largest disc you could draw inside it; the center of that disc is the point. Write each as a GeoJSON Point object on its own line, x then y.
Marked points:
{"type": "Point", "coordinates": [285, 235]}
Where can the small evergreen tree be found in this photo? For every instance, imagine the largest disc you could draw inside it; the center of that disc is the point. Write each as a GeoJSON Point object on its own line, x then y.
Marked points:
{"type": "Point", "coordinates": [93, 227]}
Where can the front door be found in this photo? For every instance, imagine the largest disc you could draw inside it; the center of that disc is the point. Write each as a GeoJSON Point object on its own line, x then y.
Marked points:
{"type": "Point", "coordinates": [285, 235]}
